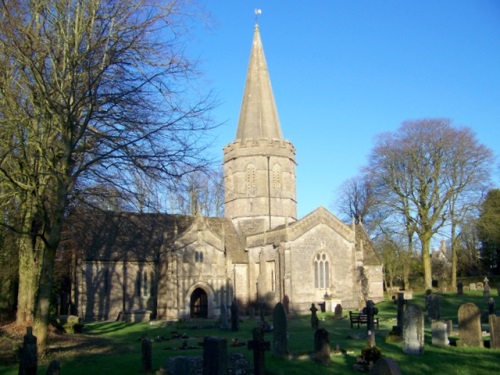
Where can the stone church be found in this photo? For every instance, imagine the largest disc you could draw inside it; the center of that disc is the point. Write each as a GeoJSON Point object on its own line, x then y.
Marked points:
{"type": "Point", "coordinates": [178, 267]}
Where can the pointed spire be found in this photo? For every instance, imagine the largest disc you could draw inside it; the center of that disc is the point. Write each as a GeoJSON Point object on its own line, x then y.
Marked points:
{"type": "Point", "coordinates": [258, 116]}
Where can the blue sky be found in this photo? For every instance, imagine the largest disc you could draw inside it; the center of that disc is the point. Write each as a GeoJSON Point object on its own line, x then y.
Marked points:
{"type": "Point", "coordinates": [344, 71]}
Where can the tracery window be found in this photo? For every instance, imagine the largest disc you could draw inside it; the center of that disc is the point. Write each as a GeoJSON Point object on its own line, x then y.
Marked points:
{"type": "Point", "coordinates": [321, 271]}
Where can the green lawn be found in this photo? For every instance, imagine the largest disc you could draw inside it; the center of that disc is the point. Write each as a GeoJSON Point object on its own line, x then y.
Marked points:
{"type": "Point", "coordinates": [118, 346]}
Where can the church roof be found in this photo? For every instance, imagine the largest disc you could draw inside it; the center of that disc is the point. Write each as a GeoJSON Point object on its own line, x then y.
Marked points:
{"type": "Point", "coordinates": [126, 236]}
{"type": "Point", "coordinates": [258, 115]}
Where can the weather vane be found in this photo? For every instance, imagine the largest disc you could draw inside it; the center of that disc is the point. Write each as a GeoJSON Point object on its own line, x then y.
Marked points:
{"type": "Point", "coordinates": [257, 13]}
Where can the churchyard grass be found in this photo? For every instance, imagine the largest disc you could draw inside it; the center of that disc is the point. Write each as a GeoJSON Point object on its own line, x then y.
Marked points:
{"type": "Point", "coordinates": [115, 347]}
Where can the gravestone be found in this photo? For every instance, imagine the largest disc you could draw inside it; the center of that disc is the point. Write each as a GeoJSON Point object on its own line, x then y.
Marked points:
{"type": "Point", "coordinates": [314, 317]}
{"type": "Point", "coordinates": [370, 310]}
{"type": "Point", "coordinates": [491, 306]}
{"type": "Point", "coordinates": [449, 327]}
{"type": "Point", "coordinates": [398, 329]}
{"type": "Point", "coordinates": [433, 306]}
{"type": "Point", "coordinates": [258, 345]}
{"type": "Point", "coordinates": [385, 366]}
{"type": "Point", "coordinates": [280, 331]}
{"type": "Point", "coordinates": [413, 330]}
{"type": "Point", "coordinates": [469, 325]}
{"type": "Point", "coordinates": [439, 333]}
{"type": "Point", "coordinates": [338, 311]}
{"type": "Point", "coordinates": [472, 287]}
{"type": "Point", "coordinates": [182, 365]}
{"type": "Point", "coordinates": [486, 288]}
{"type": "Point", "coordinates": [54, 368]}
{"type": "Point", "coordinates": [147, 356]}
{"type": "Point", "coordinates": [460, 288]}
{"type": "Point", "coordinates": [494, 331]}
{"type": "Point", "coordinates": [479, 286]}
{"type": "Point", "coordinates": [223, 317]}
{"type": "Point", "coordinates": [214, 356]}
{"type": "Point", "coordinates": [28, 355]}
{"type": "Point", "coordinates": [235, 316]}
{"type": "Point", "coordinates": [322, 346]}
{"type": "Point", "coordinates": [286, 304]}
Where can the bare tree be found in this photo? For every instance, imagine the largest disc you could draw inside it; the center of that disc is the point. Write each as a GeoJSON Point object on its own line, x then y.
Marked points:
{"type": "Point", "coordinates": [417, 170]}
{"type": "Point", "coordinates": [91, 92]}
{"type": "Point", "coordinates": [355, 199]}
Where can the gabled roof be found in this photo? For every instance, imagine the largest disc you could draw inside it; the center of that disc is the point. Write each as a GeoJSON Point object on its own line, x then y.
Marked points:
{"type": "Point", "coordinates": [258, 115]}
{"type": "Point", "coordinates": [125, 236]}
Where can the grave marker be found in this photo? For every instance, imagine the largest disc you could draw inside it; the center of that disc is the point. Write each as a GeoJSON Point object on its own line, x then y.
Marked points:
{"type": "Point", "coordinates": [147, 356]}
{"type": "Point", "coordinates": [29, 359]}
{"type": "Point", "coordinates": [469, 325]}
{"type": "Point", "coordinates": [494, 331]}
{"type": "Point", "coordinates": [214, 356]}
{"type": "Point", "coordinates": [439, 333]}
{"type": "Point", "coordinates": [259, 346]}
{"type": "Point", "coordinates": [413, 330]}
{"type": "Point", "coordinates": [322, 346]}
{"type": "Point", "coordinates": [280, 331]}
{"type": "Point", "coordinates": [314, 317]}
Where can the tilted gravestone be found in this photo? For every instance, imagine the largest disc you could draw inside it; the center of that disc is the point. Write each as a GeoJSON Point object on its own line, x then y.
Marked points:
{"type": "Point", "coordinates": [494, 331]}
{"type": "Point", "coordinates": [214, 356]}
{"type": "Point", "coordinates": [469, 325]}
{"type": "Point", "coordinates": [385, 366]}
{"type": "Point", "coordinates": [29, 359]}
{"type": "Point", "coordinates": [413, 330]}
{"type": "Point", "coordinates": [322, 346]}
{"type": "Point", "coordinates": [280, 331]}
{"type": "Point", "coordinates": [439, 333]}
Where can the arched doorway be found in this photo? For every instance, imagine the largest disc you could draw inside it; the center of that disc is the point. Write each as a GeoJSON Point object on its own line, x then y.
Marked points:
{"type": "Point", "coordinates": [199, 304]}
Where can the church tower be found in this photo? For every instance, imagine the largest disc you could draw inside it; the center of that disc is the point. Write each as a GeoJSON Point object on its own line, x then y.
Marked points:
{"type": "Point", "coordinates": [259, 166]}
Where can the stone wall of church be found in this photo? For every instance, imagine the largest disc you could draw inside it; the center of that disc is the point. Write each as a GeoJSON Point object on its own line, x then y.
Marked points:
{"type": "Point", "coordinates": [109, 288]}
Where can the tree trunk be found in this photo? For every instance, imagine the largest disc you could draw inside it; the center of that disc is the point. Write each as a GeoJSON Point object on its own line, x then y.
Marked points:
{"type": "Point", "coordinates": [426, 261]}
{"type": "Point", "coordinates": [27, 281]}
{"type": "Point", "coordinates": [454, 258]}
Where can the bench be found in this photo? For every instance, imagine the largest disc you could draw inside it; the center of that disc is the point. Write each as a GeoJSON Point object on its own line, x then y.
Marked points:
{"type": "Point", "coordinates": [360, 318]}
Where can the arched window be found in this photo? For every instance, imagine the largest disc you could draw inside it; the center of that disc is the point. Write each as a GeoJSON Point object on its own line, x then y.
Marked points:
{"type": "Point", "coordinates": [321, 271]}
{"type": "Point", "coordinates": [196, 256]}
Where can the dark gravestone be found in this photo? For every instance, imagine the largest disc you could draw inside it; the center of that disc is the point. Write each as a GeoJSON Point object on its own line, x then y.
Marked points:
{"type": "Point", "coordinates": [147, 356]}
{"type": "Point", "coordinates": [258, 345]}
{"type": "Point", "coordinates": [469, 325]}
{"type": "Point", "coordinates": [339, 312]}
{"type": "Point", "coordinates": [322, 346]}
{"type": "Point", "coordinates": [235, 316]}
{"type": "Point", "coordinates": [29, 359]}
{"type": "Point", "coordinates": [460, 289]}
{"type": "Point", "coordinates": [214, 356]}
{"type": "Point", "coordinates": [54, 368]}
{"type": "Point", "coordinates": [398, 329]}
{"type": "Point", "coordinates": [370, 310]}
{"type": "Point", "coordinates": [286, 304]}
{"type": "Point", "coordinates": [182, 365]}
{"type": "Point", "coordinates": [494, 331]}
{"type": "Point", "coordinates": [385, 366]}
{"type": "Point", "coordinates": [413, 330]}
{"type": "Point", "coordinates": [314, 317]}
{"type": "Point", "coordinates": [433, 305]}
{"type": "Point", "coordinates": [280, 331]}
{"type": "Point", "coordinates": [491, 306]}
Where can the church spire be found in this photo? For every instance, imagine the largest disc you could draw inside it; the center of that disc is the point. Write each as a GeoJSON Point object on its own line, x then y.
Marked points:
{"type": "Point", "coordinates": [258, 116]}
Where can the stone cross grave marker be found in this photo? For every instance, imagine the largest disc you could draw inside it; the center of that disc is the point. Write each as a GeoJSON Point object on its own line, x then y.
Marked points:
{"type": "Point", "coordinates": [486, 288]}
{"type": "Point", "coordinates": [314, 317]}
{"type": "Point", "coordinates": [494, 331]}
{"type": "Point", "coordinates": [280, 331]}
{"type": "Point", "coordinates": [259, 346]}
{"type": "Point", "coordinates": [469, 325]}
{"type": "Point", "coordinates": [29, 359]}
{"type": "Point", "coordinates": [370, 310]}
{"type": "Point", "coordinates": [439, 333]}
{"type": "Point", "coordinates": [413, 330]}
{"type": "Point", "coordinates": [214, 355]}
{"type": "Point", "coordinates": [322, 346]}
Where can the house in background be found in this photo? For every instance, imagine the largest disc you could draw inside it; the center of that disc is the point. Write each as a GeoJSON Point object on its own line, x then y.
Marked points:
{"type": "Point", "coordinates": [188, 266]}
